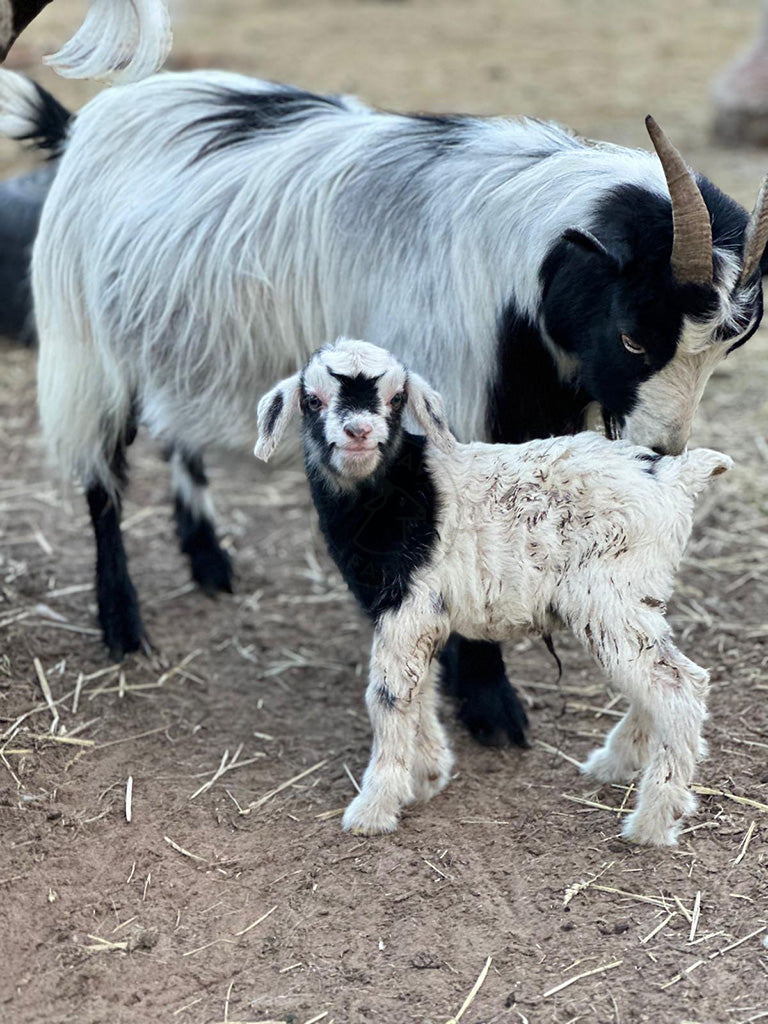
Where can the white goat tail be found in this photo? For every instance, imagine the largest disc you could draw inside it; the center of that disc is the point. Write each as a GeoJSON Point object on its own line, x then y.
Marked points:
{"type": "Point", "coordinates": [122, 40]}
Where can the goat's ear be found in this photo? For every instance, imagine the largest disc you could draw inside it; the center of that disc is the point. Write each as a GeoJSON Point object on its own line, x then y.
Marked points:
{"type": "Point", "coordinates": [587, 242]}
{"type": "Point", "coordinates": [276, 409]}
{"type": "Point", "coordinates": [426, 407]}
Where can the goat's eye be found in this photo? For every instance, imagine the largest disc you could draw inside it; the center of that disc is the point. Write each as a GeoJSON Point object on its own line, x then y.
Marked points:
{"type": "Point", "coordinates": [314, 403]}
{"type": "Point", "coordinates": [631, 345]}
{"type": "Point", "coordinates": [397, 400]}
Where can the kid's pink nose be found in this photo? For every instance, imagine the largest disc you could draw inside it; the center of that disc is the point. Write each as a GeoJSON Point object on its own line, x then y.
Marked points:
{"type": "Point", "coordinates": [357, 431]}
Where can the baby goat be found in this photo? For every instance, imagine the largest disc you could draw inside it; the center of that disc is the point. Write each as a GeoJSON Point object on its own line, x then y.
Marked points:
{"type": "Point", "coordinates": [433, 536]}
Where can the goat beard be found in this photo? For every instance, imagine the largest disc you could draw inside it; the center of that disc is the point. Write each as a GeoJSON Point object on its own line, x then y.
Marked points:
{"type": "Point", "coordinates": [611, 425]}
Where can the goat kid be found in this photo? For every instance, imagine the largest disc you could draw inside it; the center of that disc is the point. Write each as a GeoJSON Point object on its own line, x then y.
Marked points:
{"type": "Point", "coordinates": [203, 228]}
{"type": "Point", "coordinates": [433, 536]}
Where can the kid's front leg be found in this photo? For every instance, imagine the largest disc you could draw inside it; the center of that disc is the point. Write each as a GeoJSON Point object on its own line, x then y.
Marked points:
{"type": "Point", "coordinates": [400, 663]}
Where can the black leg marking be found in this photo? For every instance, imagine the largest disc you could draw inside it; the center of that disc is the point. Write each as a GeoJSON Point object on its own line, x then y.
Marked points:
{"type": "Point", "coordinates": [210, 564]}
{"type": "Point", "coordinates": [473, 673]}
{"type": "Point", "coordinates": [119, 615]}
{"type": "Point", "coordinates": [386, 698]}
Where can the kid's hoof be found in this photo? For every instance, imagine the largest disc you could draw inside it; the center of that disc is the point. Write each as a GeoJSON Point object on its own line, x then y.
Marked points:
{"type": "Point", "coordinates": [367, 819]}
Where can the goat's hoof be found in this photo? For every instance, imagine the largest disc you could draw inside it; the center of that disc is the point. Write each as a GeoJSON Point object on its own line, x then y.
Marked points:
{"type": "Point", "coordinates": [602, 766]}
{"type": "Point", "coordinates": [122, 627]}
{"type": "Point", "coordinates": [365, 818]}
{"type": "Point", "coordinates": [660, 825]}
{"type": "Point", "coordinates": [431, 776]}
{"type": "Point", "coordinates": [495, 715]}
{"type": "Point", "coordinates": [212, 570]}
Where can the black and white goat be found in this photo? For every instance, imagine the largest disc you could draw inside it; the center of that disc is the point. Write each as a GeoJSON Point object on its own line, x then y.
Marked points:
{"type": "Point", "coordinates": [205, 228]}
{"type": "Point", "coordinates": [123, 40]}
{"type": "Point", "coordinates": [435, 537]}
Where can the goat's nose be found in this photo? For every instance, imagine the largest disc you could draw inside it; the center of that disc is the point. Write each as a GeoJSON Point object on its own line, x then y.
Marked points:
{"type": "Point", "coordinates": [357, 431]}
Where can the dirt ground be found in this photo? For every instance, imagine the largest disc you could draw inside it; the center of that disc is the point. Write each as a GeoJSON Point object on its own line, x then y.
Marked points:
{"type": "Point", "coordinates": [232, 894]}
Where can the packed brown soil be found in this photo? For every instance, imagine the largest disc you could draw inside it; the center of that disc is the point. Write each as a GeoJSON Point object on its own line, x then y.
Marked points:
{"type": "Point", "coordinates": [244, 901]}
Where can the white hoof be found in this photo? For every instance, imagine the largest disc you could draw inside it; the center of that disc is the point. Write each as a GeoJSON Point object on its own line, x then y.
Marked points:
{"type": "Point", "coordinates": [366, 817]}
{"type": "Point", "coordinates": [659, 824]}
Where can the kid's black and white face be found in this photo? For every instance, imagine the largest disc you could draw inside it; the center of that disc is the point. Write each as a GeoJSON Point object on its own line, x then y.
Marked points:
{"type": "Point", "coordinates": [351, 399]}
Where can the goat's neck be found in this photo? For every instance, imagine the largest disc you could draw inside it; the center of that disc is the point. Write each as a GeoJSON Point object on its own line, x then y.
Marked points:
{"type": "Point", "coordinates": [381, 532]}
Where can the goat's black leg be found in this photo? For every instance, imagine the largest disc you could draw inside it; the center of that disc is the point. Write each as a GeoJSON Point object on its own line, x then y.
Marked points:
{"type": "Point", "coordinates": [474, 674]}
{"type": "Point", "coordinates": [210, 564]}
{"type": "Point", "coordinates": [118, 605]}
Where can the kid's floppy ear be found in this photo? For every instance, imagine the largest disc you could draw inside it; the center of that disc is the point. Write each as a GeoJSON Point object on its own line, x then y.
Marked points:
{"type": "Point", "coordinates": [426, 407]}
{"type": "Point", "coordinates": [276, 409]}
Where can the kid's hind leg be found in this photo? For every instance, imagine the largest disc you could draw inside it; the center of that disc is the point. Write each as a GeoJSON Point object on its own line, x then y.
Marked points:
{"type": "Point", "coordinates": [118, 605]}
{"type": "Point", "coordinates": [676, 705]}
{"type": "Point", "coordinates": [193, 510]}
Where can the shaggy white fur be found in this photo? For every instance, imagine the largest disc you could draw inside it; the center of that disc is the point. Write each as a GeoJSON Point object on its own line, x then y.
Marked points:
{"type": "Point", "coordinates": [121, 40]}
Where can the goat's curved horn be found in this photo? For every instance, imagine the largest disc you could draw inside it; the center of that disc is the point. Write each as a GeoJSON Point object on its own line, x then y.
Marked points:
{"type": "Point", "coordinates": [756, 236]}
{"type": "Point", "coordinates": [692, 238]}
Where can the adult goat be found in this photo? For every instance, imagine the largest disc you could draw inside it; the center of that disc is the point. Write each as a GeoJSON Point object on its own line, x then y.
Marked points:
{"type": "Point", "coordinates": [205, 230]}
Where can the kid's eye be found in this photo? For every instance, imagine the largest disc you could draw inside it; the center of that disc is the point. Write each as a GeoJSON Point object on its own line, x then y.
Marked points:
{"type": "Point", "coordinates": [397, 400]}
{"type": "Point", "coordinates": [314, 403]}
{"type": "Point", "coordinates": [631, 345]}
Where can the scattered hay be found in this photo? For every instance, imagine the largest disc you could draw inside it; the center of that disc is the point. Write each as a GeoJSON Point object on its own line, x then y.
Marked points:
{"type": "Point", "coordinates": [471, 997]}
{"type": "Point", "coordinates": [580, 977]}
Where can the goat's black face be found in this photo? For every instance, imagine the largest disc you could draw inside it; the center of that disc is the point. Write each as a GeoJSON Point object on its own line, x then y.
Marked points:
{"type": "Point", "coordinates": [352, 399]}
{"type": "Point", "coordinates": [639, 343]}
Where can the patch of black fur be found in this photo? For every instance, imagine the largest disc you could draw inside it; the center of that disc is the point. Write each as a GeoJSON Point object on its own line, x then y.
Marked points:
{"type": "Point", "coordinates": [487, 704]}
{"type": "Point", "coordinates": [650, 459]}
{"type": "Point", "coordinates": [383, 531]}
{"type": "Point", "coordinates": [728, 218]}
{"type": "Point", "coordinates": [24, 11]}
{"type": "Point", "coordinates": [210, 565]}
{"type": "Point", "coordinates": [274, 411]}
{"type": "Point", "coordinates": [356, 393]}
{"type": "Point", "coordinates": [442, 133]}
{"type": "Point", "coordinates": [241, 115]}
{"type": "Point", "coordinates": [312, 424]}
{"type": "Point", "coordinates": [386, 698]}
{"type": "Point", "coordinates": [118, 605]}
{"type": "Point", "coordinates": [52, 121]}
{"type": "Point", "coordinates": [196, 469]}
{"type": "Point", "coordinates": [527, 399]}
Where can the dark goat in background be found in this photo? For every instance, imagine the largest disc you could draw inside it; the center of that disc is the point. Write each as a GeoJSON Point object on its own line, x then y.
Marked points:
{"type": "Point", "coordinates": [21, 201]}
